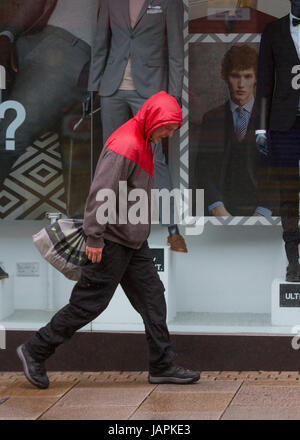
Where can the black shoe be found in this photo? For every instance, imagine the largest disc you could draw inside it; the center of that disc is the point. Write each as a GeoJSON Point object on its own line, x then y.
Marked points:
{"type": "Point", "coordinates": [175, 374]}
{"type": "Point", "coordinates": [34, 371]}
{"type": "Point", "coordinates": [3, 274]}
{"type": "Point", "coordinates": [293, 273]}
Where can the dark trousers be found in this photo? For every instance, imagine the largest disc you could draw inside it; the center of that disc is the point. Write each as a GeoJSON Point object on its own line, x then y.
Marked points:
{"type": "Point", "coordinates": [285, 156]}
{"type": "Point", "coordinates": [137, 274]}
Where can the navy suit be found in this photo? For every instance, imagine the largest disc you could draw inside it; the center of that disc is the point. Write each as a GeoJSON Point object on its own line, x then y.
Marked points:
{"type": "Point", "coordinates": [226, 168]}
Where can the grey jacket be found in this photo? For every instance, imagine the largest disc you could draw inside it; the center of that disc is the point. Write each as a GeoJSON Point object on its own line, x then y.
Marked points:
{"type": "Point", "coordinates": [155, 45]}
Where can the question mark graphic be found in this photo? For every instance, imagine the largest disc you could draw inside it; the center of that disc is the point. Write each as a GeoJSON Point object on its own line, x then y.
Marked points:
{"type": "Point", "coordinates": [15, 124]}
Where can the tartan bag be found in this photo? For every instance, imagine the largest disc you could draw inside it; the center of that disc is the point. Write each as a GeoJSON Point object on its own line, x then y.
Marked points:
{"type": "Point", "coordinates": [63, 244]}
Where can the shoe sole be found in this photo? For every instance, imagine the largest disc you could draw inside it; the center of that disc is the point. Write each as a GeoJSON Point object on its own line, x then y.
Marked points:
{"type": "Point", "coordinates": [179, 252]}
{"type": "Point", "coordinates": [26, 371]}
{"type": "Point", "coordinates": [176, 380]}
{"type": "Point", "coordinates": [175, 250]}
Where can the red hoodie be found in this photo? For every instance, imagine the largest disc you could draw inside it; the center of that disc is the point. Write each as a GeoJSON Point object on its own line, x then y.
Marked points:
{"type": "Point", "coordinates": [128, 157]}
{"type": "Point", "coordinates": [132, 139]}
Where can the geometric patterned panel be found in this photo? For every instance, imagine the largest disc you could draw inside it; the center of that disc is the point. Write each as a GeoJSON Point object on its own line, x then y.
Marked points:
{"type": "Point", "coordinates": [35, 184]}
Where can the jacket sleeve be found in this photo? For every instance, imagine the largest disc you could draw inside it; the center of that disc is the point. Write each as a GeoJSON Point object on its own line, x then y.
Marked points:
{"type": "Point", "coordinates": [174, 22]}
{"type": "Point", "coordinates": [265, 80]}
{"type": "Point", "coordinates": [111, 169]}
{"type": "Point", "coordinates": [100, 47]}
{"type": "Point", "coordinates": [29, 13]}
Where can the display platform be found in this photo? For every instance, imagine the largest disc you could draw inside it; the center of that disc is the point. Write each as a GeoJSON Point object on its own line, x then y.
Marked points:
{"type": "Point", "coordinates": [222, 286]}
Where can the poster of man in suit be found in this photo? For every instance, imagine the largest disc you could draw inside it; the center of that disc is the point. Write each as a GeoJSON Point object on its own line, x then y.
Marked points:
{"type": "Point", "coordinates": [223, 155]}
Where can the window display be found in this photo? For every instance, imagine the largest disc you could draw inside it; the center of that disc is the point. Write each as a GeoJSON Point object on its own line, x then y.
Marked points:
{"type": "Point", "coordinates": [80, 73]}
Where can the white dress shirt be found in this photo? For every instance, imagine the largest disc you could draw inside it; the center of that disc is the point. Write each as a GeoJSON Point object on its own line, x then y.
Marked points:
{"type": "Point", "coordinates": [295, 33]}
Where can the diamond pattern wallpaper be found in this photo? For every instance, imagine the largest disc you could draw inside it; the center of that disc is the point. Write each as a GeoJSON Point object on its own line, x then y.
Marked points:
{"type": "Point", "coordinates": [35, 185]}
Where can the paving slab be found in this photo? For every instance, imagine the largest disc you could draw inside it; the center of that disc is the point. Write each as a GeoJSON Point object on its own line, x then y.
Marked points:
{"type": "Point", "coordinates": [29, 408]}
{"type": "Point", "coordinates": [25, 389]}
{"type": "Point", "coordinates": [181, 401]}
{"type": "Point", "coordinates": [265, 396]}
{"type": "Point", "coordinates": [205, 415]}
{"type": "Point", "coordinates": [258, 413]}
{"type": "Point", "coordinates": [2, 390]}
{"type": "Point", "coordinates": [203, 386]}
{"type": "Point", "coordinates": [86, 412]}
{"type": "Point", "coordinates": [95, 394]}
{"type": "Point", "coordinates": [273, 382]}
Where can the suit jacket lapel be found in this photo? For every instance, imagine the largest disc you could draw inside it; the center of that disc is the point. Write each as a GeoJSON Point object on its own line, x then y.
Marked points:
{"type": "Point", "coordinates": [124, 6]}
{"type": "Point", "coordinates": [287, 37]}
{"type": "Point", "coordinates": [142, 13]}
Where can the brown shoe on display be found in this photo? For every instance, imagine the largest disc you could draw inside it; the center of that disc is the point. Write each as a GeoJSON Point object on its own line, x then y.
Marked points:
{"type": "Point", "coordinates": [177, 243]}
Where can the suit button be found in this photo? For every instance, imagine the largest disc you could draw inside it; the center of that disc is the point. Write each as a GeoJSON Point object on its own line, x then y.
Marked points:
{"type": "Point", "coordinates": [131, 37]}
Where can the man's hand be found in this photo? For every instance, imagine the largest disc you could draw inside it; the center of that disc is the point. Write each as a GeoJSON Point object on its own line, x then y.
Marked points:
{"type": "Point", "coordinates": [262, 144]}
{"type": "Point", "coordinates": [94, 254]}
{"type": "Point", "coordinates": [8, 57]}
{"type": "Point", "coordinates": [220, 211]}
{"type": "Point", "coordinates": [256, 214]}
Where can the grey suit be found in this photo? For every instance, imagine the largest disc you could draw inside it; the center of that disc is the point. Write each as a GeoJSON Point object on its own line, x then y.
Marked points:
{"type": "Point", "coordinates": [155, 45]}
{"type": "Point", "coordinates": [156, 48]}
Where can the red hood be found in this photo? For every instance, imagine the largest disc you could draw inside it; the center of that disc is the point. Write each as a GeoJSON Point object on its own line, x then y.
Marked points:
{"type": "Point", "coordinates": [132, 139]}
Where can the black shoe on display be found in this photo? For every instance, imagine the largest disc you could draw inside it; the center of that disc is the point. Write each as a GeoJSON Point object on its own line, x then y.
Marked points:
{"type": "Point", "coordinates": [34, 371]}
{"type": "Point", "coordinates": [3, 274]}
{"type": "Point", "coordinates": [293, 273]}
{"type": "Point", "coordinates": [174, 374]}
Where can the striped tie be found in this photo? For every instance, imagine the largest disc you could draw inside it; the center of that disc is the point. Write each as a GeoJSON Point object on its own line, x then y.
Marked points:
{"type": "Point", "coordinates": [242, 123]}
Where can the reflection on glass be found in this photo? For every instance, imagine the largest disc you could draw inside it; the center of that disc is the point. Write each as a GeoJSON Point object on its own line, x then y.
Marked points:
{"type": "Point", "coordinates": [232, 16]}
{"type": "Point", "coordinates": [45, 47]}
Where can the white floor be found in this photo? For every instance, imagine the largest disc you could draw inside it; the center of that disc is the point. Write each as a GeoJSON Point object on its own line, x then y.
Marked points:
{"type": "Point", "coordinates": [30, 320]}
{"type": "Point", "coordinates": [198, 323]}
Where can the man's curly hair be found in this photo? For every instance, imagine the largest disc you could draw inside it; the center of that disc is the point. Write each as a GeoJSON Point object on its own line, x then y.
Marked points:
{"type": "Point", "coordinates": [241, 57]}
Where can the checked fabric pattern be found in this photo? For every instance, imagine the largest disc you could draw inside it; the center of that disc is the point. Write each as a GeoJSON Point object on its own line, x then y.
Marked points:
{"type": "Point", "coordinates": [242, 123]}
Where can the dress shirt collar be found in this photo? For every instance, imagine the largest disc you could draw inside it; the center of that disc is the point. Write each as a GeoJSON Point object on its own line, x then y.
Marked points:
{"type": "Point", "coordinates": [248, 106]}
{"type": "Point", "coordinates": [291, 19]}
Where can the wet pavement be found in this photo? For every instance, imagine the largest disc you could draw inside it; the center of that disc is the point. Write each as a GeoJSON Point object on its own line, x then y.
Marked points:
{"type": "Point", "coordinates": [219, 395]}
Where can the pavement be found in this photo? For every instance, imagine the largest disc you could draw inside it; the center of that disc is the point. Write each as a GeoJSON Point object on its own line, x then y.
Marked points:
{"type": "Point", "coordinates": [219, 395]}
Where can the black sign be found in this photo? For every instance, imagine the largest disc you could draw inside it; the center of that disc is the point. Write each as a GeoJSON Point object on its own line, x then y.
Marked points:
{"type": "Point", "coordinates": [290, 295]}
{"type": "Point", "coordinates": [159, 259]}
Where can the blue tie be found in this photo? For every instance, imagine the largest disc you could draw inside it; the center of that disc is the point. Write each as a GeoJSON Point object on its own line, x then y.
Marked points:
{"type": "Point", "coordinates": [242, 123]}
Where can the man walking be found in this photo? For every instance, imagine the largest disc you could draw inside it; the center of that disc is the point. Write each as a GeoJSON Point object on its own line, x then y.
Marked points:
{"type": "Point", "coordinates": [138, 51]}
{"type": "Point", "coordinates": [118, 252]}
